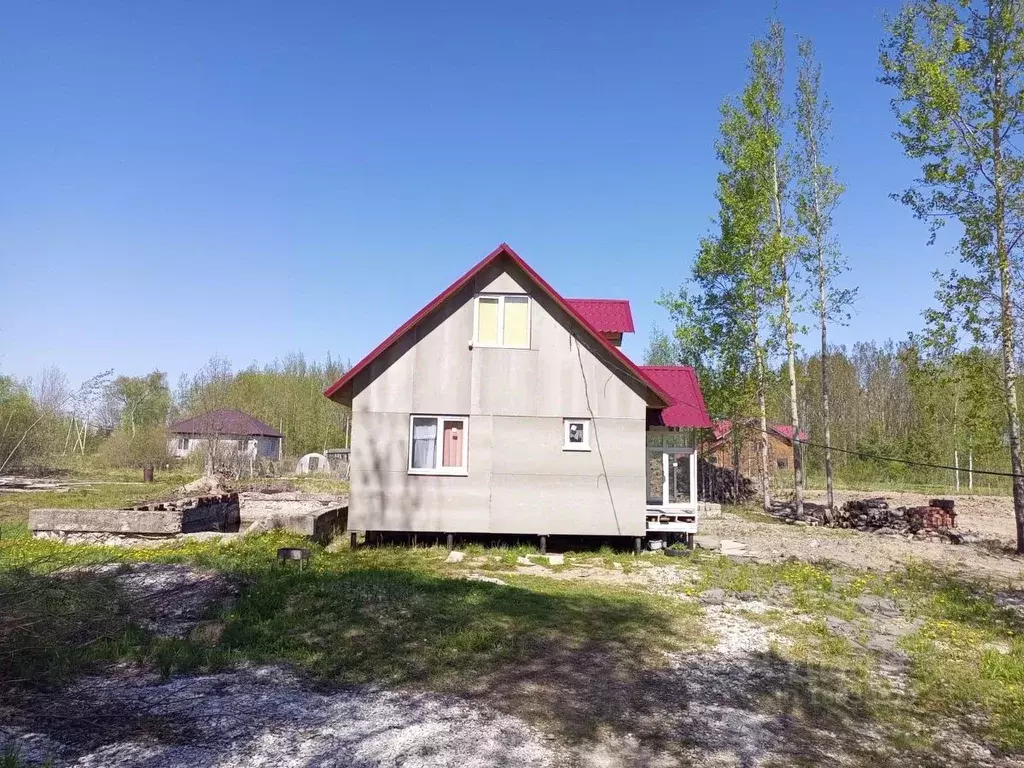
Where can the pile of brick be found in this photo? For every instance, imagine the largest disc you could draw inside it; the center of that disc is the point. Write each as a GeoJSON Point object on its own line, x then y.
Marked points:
{"type": "Point", "coordinates": [935, 522]}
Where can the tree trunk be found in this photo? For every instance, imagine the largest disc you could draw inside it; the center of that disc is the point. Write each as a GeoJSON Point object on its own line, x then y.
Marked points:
{"type": "Point", "coordinates": [823, 309]}
{"type": "Point", "coordinates": [763, 412]}
{"type": "Point", "coordinates": [787, 321]}
{"type": "Point", "coordinates": [735, 460]}
{"type": "Point", "coordinates": [794, 410]}
{"type": "Point", "coordinates": [1006, 307]}
{"type": "Point", "coordinates": [1010, 389]}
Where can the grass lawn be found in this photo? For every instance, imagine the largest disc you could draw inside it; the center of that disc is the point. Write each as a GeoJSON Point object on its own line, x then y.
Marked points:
{"type": "Point", "coordinates": [584, 650]}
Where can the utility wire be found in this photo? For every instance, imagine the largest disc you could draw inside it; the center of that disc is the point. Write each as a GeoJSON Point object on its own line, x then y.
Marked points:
{"type": "Point", "coordinates": [876, 457]}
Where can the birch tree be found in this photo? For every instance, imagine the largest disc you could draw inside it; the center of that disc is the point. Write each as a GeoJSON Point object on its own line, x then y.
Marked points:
{"type": "Point", "coordinates": [818, 194]}
{"type": "Point", "coordinates": [958, 72]}
{"type": "Point", "coordinates": [723, 326]}
{"type": "Point", "coordinates": [763, 100]}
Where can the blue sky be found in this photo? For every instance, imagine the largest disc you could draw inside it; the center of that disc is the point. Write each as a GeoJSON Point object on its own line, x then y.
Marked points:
{"type": "Point", "coordinates": [182, 179]}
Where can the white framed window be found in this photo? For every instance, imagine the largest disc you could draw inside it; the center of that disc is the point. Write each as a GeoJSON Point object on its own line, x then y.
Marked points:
{"type": "Point", "coordinates": [183, 443]}
{"type": "Point", "coordinates": [576, 434]}
{"type": "Point", "coordinates": [438, 445]}
{"type": "Point", "coordinates": [502, 320]}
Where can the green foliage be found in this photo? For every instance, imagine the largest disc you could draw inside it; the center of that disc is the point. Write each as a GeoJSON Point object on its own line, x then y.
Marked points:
{"type": "Point", "coordinates": [660, 349]}
{"type": "Point", "coordinates": [122, 449]}
{"type": "Point", "coordinates": [18, 414]}
{"type": "Point", "coordinates": [818, 191]}
{"type": "Point", "coordinates": [136, 403]}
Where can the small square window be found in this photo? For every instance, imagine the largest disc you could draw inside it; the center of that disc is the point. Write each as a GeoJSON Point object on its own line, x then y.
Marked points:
{"type": "Point", "coordinates": [576, 434]}
{"type": "Point", "coordinates": [782, 463]}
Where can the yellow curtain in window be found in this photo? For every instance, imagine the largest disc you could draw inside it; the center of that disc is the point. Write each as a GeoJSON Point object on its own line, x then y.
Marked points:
{"type": "Point", "coordinates": [487, 321]}
{"type": "Point", "coordinates": [517, 321]}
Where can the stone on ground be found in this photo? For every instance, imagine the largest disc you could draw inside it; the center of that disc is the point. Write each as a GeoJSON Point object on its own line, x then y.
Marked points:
{"type": "Point", "coordinates": [730, 547]}
{"type": "Point", "coordinates": [455, 557]}
{"type": "Point", "coordinates": [706, 542]}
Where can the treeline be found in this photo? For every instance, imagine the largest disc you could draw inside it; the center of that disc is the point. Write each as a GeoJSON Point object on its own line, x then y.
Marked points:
{"type": "Point", "coordinates": [893, 400]}
{"type": "Point", "coordinates": [122, 421]}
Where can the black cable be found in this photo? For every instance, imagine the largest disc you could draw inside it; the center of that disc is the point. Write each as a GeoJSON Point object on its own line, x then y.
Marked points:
{"type": "Point", "coordinates": [876, 457]}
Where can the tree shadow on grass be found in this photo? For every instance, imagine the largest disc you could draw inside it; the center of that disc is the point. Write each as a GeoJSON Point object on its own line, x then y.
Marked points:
{"type": "Point", "coordinates": [604, 669]}
{"type": "Point", "coordinates": [585, 664]}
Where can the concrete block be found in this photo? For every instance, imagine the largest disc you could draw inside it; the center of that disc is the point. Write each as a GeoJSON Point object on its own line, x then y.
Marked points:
{"type": "Point", "coordinates": [455, 557]}
{"type": "Point", "coordinates": [706, 542]}
{"type": "Point", "coordinates": [168, 522]}
{"type": "Point", "coordinates": [556, 559]}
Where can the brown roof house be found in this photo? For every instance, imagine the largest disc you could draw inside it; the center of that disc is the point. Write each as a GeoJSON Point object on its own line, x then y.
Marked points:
{"type": "Point", "coordinates": [721, 448]}
{"type": "Point", "coordinates": [228, 432]}
{"type": "Point", "coordinates": [502, 407]}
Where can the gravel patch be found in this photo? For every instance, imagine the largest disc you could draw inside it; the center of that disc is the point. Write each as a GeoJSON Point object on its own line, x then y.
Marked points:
{"type": "Point", "coordinates": [266, 717]}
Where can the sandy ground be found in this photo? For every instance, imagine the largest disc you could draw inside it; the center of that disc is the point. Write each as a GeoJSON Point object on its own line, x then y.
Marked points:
{"type": "Point", "coordinates": [991, 516]}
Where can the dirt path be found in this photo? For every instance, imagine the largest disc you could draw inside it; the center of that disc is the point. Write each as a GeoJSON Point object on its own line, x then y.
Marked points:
{"type": "Point", "coordinates": [992, 516]}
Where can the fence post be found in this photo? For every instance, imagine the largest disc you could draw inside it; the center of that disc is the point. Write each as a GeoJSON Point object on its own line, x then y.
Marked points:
{"type": "Point", "coordinates": [956, 463]}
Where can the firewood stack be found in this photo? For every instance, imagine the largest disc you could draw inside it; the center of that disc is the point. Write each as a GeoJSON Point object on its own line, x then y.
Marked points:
{"type": "Point", "coordinates": [936, 522]}
{"type": "Point", "coordinates": [718, 484]}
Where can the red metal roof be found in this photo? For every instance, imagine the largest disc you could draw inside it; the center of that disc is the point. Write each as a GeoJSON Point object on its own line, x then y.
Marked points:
{"type": "Point", "coordinates": [722, 428]}
{"type": "Point", "coordinates": [606, 315]}
{"type": "Point", "coordinates": [680, 381]}
{"type": "Point", "coordinates": [224, 422]}
{"type": "Point", "coordinates": [502, 251]}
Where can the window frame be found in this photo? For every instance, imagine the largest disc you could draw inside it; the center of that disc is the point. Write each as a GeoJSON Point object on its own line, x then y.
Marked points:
{"type": "Point", "coordinates": [437, 469]}
{"type": "Point", "coordinates": [588, 429]}
{"type": "Point", "coordinates": [501, 320]}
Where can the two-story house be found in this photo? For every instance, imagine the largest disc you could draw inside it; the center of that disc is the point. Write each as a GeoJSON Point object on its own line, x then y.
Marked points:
{"type": "Point", "coordinates": [502, 407]}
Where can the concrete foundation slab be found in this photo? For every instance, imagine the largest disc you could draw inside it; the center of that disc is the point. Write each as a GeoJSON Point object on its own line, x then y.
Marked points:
{"type": "Point", "coordinates": [318, 516]}
{"type": "Point", "coordinates": [211, 513]}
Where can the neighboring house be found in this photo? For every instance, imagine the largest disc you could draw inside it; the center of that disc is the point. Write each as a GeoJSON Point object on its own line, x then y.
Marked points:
{"type": "Point", "coordinates": [230, 431]}
{"type": "Point", "coordinates": [501, 407]}
{"type": "Point", "coordinates": [720, 449]}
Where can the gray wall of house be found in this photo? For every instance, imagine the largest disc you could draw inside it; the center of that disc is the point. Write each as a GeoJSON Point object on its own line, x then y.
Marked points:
{"type": "Point", "coordinates": [520, 480]}
{"type": "Point", "coordinates": [265, 446]}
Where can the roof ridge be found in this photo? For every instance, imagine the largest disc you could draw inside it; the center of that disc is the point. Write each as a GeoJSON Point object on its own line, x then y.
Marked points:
{"type": "Point", "coordinates": [583, 298]}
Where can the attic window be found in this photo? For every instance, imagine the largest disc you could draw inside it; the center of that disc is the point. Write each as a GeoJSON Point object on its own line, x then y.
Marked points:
{"type": "Point", "coordinates": [502, 321]}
